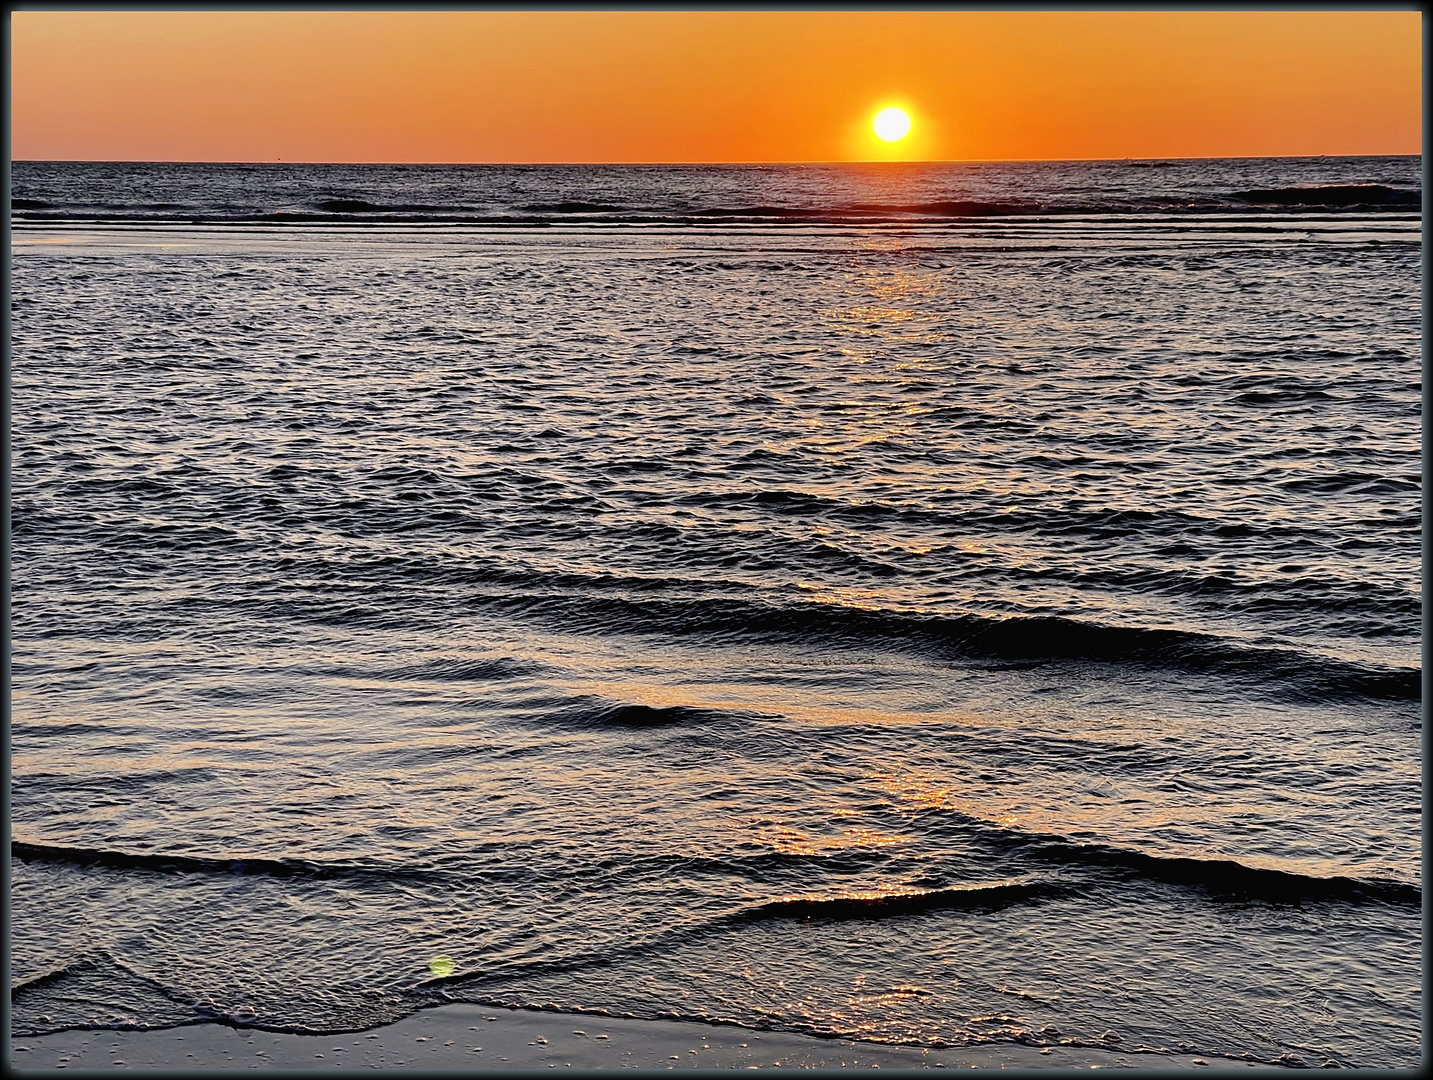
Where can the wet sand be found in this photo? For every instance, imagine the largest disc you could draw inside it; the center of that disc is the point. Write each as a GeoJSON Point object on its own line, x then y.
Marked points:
{"type": "Point", "coordinates": [478, 1037]}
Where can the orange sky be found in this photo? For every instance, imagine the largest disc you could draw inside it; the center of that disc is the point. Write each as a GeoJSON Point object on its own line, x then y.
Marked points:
{"type": "Point", "coordinates": [582, 86]}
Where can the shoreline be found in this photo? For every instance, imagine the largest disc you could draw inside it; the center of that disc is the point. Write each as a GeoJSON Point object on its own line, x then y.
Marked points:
{"type": "Point", "coordinates": [463, 1036]}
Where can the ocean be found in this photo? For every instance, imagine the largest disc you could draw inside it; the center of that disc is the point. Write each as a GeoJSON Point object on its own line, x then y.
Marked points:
{"type": "Point", "coordinates": [932, 604]}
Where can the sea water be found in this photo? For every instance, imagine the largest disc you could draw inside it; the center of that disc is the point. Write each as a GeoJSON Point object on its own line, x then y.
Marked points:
{"type": "Point", "coordinates": [930, 604]}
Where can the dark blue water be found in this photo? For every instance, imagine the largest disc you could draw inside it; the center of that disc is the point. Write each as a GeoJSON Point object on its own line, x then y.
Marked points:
{"type": "Point", "coordinates": [933, 604]}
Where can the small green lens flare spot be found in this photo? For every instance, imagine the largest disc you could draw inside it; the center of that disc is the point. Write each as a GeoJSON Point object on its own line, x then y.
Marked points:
{"type": "Point", "coordinates": [441, 966]}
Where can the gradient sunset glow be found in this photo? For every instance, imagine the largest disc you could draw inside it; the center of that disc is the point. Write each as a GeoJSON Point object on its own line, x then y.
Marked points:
{"type": "Point", "coordinates": [710, 86]}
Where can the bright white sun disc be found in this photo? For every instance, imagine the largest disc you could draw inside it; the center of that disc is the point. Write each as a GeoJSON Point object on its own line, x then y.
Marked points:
{"type": "Point", "coordinates": [892, 124]}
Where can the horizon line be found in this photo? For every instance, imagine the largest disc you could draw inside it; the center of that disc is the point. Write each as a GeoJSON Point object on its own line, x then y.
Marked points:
{"type": "Point", "coordinates": [690, 164]}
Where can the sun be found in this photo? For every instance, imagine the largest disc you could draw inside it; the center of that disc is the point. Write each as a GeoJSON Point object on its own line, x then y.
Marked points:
{"type": "Point", "coordinates": [892, 125]}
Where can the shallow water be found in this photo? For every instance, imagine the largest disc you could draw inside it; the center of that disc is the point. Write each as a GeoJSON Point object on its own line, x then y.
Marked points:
{"type": "Point", "coordinates": [990, 622]}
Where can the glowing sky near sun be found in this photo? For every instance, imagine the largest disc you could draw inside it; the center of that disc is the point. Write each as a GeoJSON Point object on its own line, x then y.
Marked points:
{"type": "Point", "coordinates": [610, 86]}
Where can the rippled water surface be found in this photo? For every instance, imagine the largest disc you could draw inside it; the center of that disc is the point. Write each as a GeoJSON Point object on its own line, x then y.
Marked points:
{"type": "Point", "coordinates": [930, 604]}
